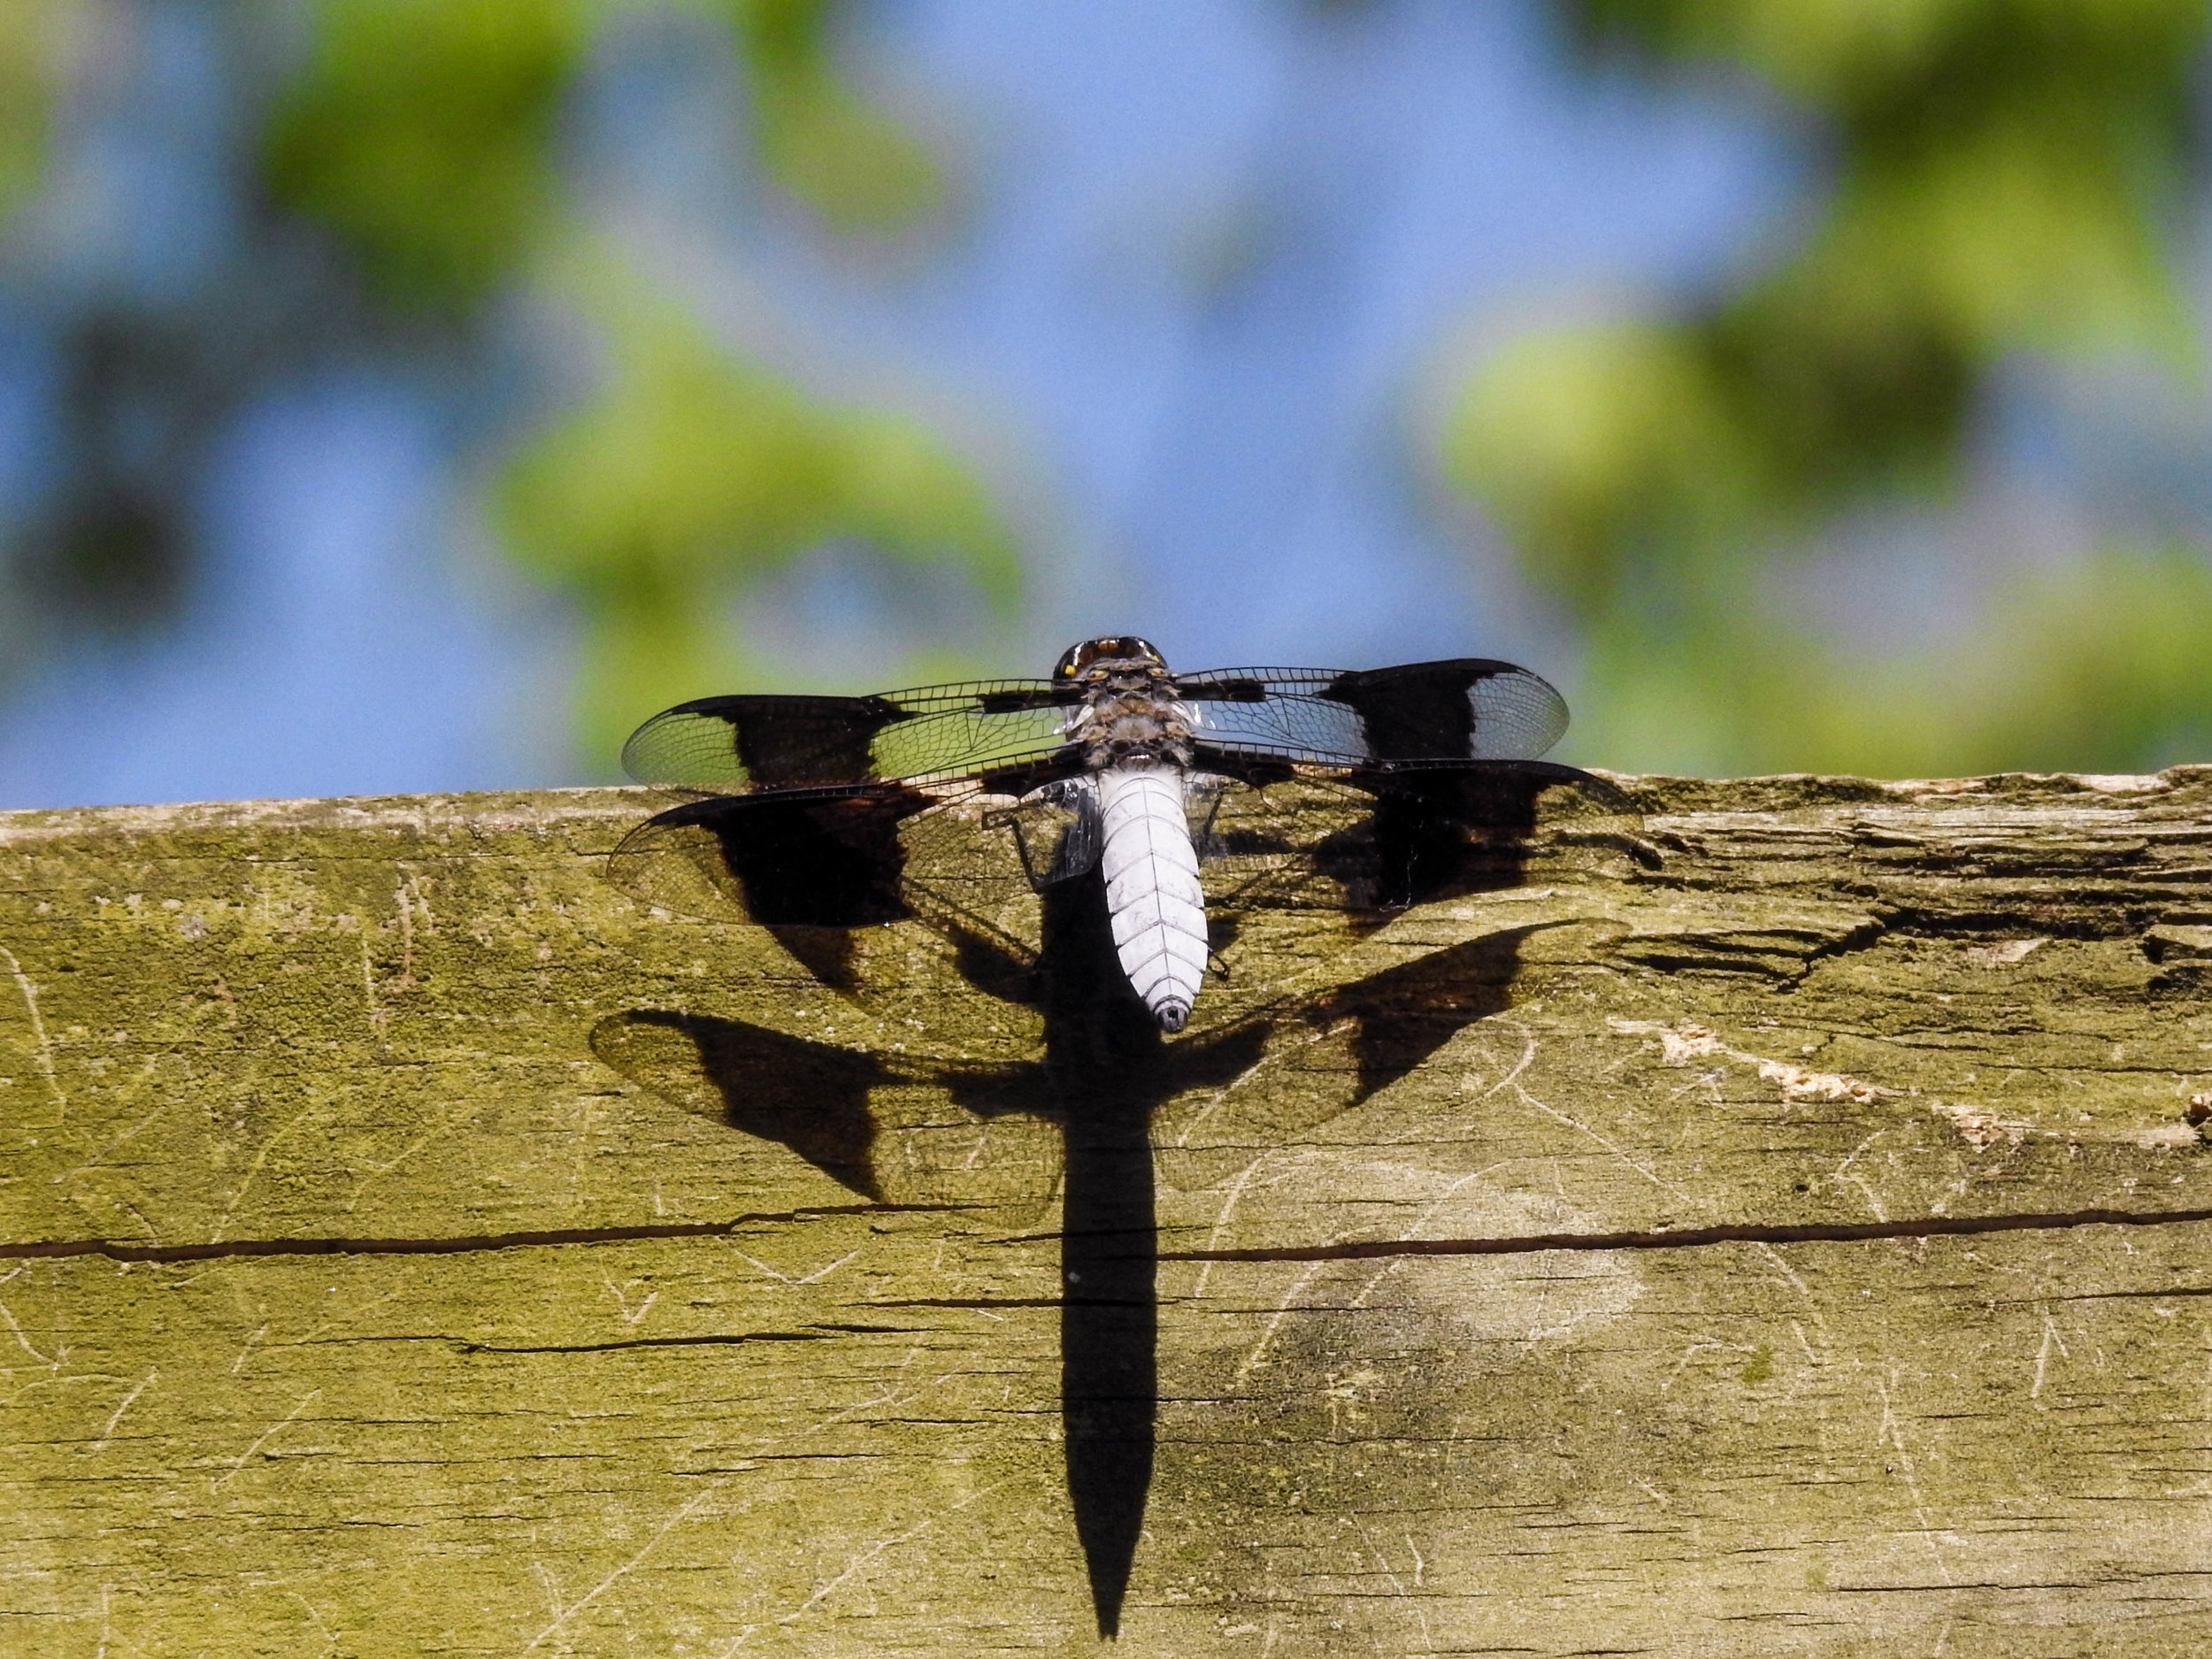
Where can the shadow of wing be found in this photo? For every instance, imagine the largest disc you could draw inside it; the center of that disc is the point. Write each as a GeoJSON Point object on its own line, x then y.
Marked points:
{"type": "Point", "coordinates": [846, 878]}
{"type": "Point", "coordinates": [1371, 842]}
{"type": "Point", "coordinates": [1324, 1056]}
{"type": "Point", "coordinates": [891, 1129]}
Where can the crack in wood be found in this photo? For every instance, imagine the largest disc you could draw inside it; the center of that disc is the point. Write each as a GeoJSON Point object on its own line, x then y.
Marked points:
{"type": "Point", "coordinates": [713, 1340]}
{"type": "Point", "coordinates": [119, 1250]}
{"type": "Point", "coordinates": [1699, 1238]}
{"type": "Point", "coordinates": [1365, 1249]}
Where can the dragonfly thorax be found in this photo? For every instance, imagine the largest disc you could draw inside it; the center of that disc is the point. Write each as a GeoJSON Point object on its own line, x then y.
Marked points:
{"type": "Point", "coordinates": [1130, 716]}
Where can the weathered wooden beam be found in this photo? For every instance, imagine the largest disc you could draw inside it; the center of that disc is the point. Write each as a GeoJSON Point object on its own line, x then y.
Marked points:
{"type": "Point", "coordinates": [1801, 1246]}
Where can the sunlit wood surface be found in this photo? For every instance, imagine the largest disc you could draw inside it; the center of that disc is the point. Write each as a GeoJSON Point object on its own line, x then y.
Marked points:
{"type": "Point", "coordinates": [1807, 1249]}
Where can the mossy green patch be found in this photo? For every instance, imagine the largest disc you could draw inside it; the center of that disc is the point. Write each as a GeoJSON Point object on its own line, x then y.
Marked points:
{"type": "Point", "coordinates": [1640, 1307]}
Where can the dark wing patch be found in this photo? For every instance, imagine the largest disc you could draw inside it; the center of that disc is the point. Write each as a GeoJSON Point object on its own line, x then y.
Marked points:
{"type": "Point", "coordinates": [827, 869]}
{"type": "Point", "coordinates": [792, 858]}
{"type": "Point", "coordinates": [1469, 708]}
{"type": "Point", "coordinates": [723, 743]}
{"type": "Point", "coordinates": [1372, 841]}
{"type": "Point", "coordinates": [727, 744]}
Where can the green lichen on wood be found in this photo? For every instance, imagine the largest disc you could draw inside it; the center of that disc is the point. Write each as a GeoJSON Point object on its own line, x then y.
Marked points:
{"type": "Point", "coordinates": [815, 1424]}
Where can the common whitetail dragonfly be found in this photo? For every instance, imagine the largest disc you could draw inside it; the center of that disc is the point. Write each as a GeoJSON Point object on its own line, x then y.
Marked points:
{"type": "Point", "coordinates": [1194, 797]}
{"type": "Point", "coordinates": [1087, 850]}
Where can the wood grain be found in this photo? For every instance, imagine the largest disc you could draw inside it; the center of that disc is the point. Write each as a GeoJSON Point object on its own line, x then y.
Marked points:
{"type": "Point", "coordinates": [1797, 1244]}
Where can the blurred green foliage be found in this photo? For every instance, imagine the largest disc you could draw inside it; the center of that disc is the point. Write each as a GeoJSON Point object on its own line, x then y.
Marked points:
{"type": "Point", "coordinates": [850, 162]}
{"type": "Point", "coordinates": [2000, 178]}
{"type": "Point", "coordinates": [695, 472]}
{"type": "Point", "coordinates": [423, 133]}
{"type": "Point", "coordinates": [33, 39]}
{"type": "Point", "coordinates": [2100, 666]}
{"type": "Point", "coordinates": [2004, 176]}
{"type": "Point", "coordinates": [419, 131]}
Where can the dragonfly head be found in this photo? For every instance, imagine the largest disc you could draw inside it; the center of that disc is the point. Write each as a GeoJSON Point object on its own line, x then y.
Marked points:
{"type": "Point", "coordinates": [1117, 651]}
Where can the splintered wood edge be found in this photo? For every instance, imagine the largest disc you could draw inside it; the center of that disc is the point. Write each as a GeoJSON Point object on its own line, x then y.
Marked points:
{"type": "Point", "coordinates": [535, 808]}
{"type": "Point", "coordinates": [491, 809]}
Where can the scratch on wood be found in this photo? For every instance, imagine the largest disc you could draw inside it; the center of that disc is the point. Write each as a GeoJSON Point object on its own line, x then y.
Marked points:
{"type": "Point", "coordinates": [1613, 1146]}
{"type": "Point", "coordinates": [1892, 1431]}
{"type": "Point", "coordinates": [260, 1161]}
{"type": "Point", "coordinates": [107, 1430]}
{"type": "Point", "coordinates": [563, 1613]}
{"type": "Point", "coordinates": [443, 1129]}
{"type": "Point", "coordinates": [23, 1341]}
{"type": "Point", "coordinates": [42, 1053]}
{"type": "Point", "coordinates": [1397, 1585]}
{"type": "Point", "coordinates": [100, 1156]}
{"type": "Point", "coordinates": [2051, 1338]}
{"type": "Point", "coordinates": [380, 1019]}
{"type": "Point", "coordinates": [1258, 1350]}
{"type": "Point", "coordinates": [241, 1461]}
{"type": "Point", "coordinates": [786, 1278]}
{"type": "Point", "coordinates": [1789, 1276]}
{"type": "Point", "coordinates": [1231, 1197]}
{"type": "Point", "coordinates": [862, 1559]}
{"type": "Point", "coordinates": [330, 1640]}
{"type": "Point", "coordinates": [408, 897]}
{"type": "Point", "coordinates": [252, 1337]}
{"type": "Point", "coordinates": [621, 1295]}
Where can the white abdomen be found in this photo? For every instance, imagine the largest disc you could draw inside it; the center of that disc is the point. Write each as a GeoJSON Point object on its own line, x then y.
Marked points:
{"type": "Point", "coordinates": [1152, 891]}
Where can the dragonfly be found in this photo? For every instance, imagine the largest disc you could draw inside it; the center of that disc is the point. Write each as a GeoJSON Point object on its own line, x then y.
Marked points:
{"type": "Point", "coordinates": [1058, 935]}
{"type": "Point", "coordinates": [1104, 844]}
{"type": "Point", "coordinates": [1193, 796]}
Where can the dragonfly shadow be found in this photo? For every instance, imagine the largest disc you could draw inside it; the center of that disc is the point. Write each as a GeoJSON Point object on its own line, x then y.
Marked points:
{"type": "Point", "coordinates": [1325, 803]}
{"type": "Point", "coordinates": [1096, 1088]}
{"type": "Point", "coordinates": [811, 1097]}
{"type": "Point", "coordinates": [1111, 1070]}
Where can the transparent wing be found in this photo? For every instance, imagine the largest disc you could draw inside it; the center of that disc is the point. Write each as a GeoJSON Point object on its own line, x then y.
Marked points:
{"type": "Point", "coordinates": [1058, 829]}
{"type": "Point", "coordinates": [886, 890]}
{"type": "Point", "coordinates": [1469, 708]}
{"type": "Point", "coordinates": [1319, 1055]}
{"type": "Point", "coordinates": [829, 869]}
{"type": "Point", "coordinates": [829, 857]}
{"type": "Point", "coordinates": [1374, 840]}
{"type": "Point", "coordinates": [733, 743]}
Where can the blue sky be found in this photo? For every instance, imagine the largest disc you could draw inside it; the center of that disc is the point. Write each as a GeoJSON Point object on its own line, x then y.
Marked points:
{"type": "Point", "coordinates": [1211, 262]}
